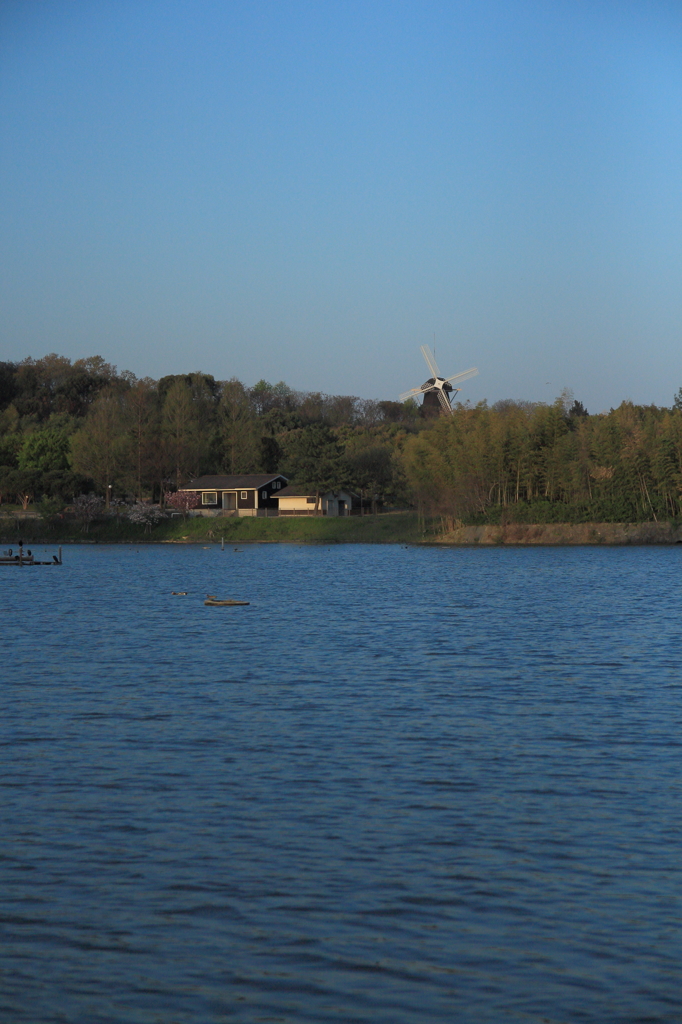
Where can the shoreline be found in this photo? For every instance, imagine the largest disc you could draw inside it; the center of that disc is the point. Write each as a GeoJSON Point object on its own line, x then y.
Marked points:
{"type": "Point", "coordinates": [393, 528]}
{"type": "Point", "coordinates": [563, 534]}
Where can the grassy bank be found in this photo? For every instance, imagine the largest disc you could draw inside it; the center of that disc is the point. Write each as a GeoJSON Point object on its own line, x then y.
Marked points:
{"type": "Point", "coordinates": [395, 528]}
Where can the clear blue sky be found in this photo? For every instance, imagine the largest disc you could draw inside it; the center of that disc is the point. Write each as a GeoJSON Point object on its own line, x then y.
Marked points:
{"type": "Point", "coordinates": [308, 191]}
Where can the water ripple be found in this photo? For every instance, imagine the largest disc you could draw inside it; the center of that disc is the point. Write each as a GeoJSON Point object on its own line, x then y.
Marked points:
{"type": "Point", "coordinates": [400, 786]}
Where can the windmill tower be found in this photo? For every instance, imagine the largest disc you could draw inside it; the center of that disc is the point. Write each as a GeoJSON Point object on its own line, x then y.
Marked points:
{"type": "Point", "coordinates": [437, 390]}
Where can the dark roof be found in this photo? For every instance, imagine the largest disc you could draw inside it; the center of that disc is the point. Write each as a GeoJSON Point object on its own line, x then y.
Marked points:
{"type": "Point", "coordinates": [301, 492]}
{"type": "Point", "coordinates": [295, 492]}
{"type": "Point", "coordinates": [248, 481]}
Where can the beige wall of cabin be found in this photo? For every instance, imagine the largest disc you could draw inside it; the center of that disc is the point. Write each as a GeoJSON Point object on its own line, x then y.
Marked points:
{"type": "Point", "coordinates": [295, 504]}
{"type": "Point", "coordinates": [328, 504]}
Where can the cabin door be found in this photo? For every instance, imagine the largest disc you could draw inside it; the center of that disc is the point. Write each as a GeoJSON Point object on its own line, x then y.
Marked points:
{"type": "Point", "coordinates": [229, 500]}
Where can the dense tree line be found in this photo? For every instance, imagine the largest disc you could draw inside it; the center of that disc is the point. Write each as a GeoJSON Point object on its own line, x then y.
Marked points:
{"type": "Point", "coordinates": [523, 462]}
{"type": "Point", "coordinates": [68, 428]}
{"type": "Point", "coordinates": [72, 428]}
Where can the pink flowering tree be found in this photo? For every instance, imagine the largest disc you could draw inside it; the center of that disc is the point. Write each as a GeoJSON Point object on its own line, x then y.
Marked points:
{"type": "Point", "coordinates": [182, 501]}
{"type": "Point", "coordinates": [145, 515]}
{"type": "Point", "coordinates": [88, 507]}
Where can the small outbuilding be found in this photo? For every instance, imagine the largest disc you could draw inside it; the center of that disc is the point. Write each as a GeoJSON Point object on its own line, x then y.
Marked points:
{"type": "Point", "coordinates": [298, 501]}
{"type": "Point", "coordinates": [251, 494]}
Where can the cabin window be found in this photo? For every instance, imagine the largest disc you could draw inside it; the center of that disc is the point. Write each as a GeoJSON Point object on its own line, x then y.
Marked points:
{"type": "Point", "coordinates": [264, 494]}
{"type": "Point", "coordinates": [244, 495]}
{"type": "Point", "coordinates": [311, 501]}
{"type": "Point", "coordinates": [209, 497]}
{"type": "Point", "coordinates": [278, 484]}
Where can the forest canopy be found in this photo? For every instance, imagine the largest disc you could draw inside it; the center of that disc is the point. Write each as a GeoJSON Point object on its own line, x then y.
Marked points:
{"type": "Point", "coordinates": [68, 428]}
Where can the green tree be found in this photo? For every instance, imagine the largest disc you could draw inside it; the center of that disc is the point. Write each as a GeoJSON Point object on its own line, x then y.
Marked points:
{"type": "Point", "coordinates": [270, 454]}
{"type": "Point", "coordinates": [10, 445]}
{"type": "Point", "coordinates": [371, 470]}
{"type": "Point", "coordinates": [25, 484]}
{"type": "Point", "coordinates": [8, 387]}
{"type": "Point", "coordinates": [47, 449]}
{"type": "Point", "coordinates": [48, 508]}
{"type": "Point", "coordinates": [237, 429]}
{"type": "Point", "coordinates": [313, 459]}
{"type": "Point", "coordinates": [265, 397]}
{"type": "Point", "coordinates": [65, 485]}
{"type": "Point", "coordinates": [143, 459]}
{"type": "Point", "coordinates": [185, 432]}
{"type": "Point", "coordinates": [6, 482]}
{"type": "Point", "coordinates": [99, 447]}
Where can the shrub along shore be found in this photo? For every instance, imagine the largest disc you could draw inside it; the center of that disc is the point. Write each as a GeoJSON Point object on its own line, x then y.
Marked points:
{"type": "Point", "coordinates": [526, 534]}
{"type": "Point", "coordinates": [393, 528]}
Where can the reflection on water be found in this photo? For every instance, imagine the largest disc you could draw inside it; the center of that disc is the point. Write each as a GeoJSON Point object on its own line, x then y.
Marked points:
{"type": "Point", "coordinates": [400, 786]}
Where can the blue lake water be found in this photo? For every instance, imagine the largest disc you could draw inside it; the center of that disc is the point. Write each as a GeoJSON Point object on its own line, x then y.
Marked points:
{"type": "Point", "coordinates": [401, 786]}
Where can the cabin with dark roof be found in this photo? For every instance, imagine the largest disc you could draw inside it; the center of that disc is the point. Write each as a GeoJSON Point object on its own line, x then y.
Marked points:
{"type": "Point", "coordinates": [250, 494]}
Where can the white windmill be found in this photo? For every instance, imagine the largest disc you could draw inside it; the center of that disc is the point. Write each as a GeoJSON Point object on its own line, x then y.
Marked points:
{"type": "Point", "coordinates": [437, 390]}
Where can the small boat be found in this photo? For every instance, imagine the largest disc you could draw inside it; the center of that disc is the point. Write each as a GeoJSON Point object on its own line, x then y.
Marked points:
{"type": "Point", "coordinates": [214, 602]}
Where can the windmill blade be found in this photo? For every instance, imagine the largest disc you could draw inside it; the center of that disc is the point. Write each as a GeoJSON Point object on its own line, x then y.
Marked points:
{"type": "Point", "coordinates": [430, 361]}
{"type": "Point", "coordinates": [415, 392]}
{"type": "Point", "coordinates": [443, 399]}
{"type": "Point", "coordinates": [462, 376]}
{"type": "Point", "coordinates": [412, 393]}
